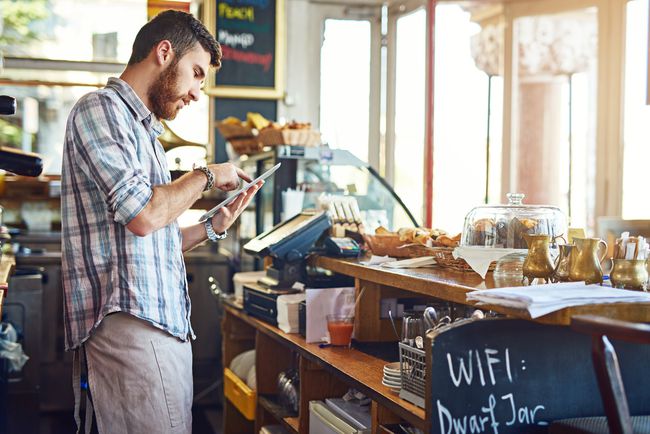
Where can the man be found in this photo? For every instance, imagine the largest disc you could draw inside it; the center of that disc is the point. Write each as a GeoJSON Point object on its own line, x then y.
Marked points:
{"type": "Point", "coordinates": [127, 308]}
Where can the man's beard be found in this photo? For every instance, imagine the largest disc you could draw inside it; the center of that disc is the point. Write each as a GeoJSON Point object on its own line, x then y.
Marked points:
{"type": "Point", "coordinates": [162, 93]}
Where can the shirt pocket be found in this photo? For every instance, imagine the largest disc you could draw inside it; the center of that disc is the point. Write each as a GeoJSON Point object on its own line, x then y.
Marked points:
{"type": "Point", "coordinates": [174, 362]}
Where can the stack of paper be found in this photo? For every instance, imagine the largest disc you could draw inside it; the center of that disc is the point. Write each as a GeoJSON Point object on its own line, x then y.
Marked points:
{"type": "Point", "coordinates": [540, 300]}
{"type": "Point", "coordinates": [288, 319]}
{"type": "Point", "coordinates": [423, 261]}
{"type": "Point", "coordinates": [378, 260]}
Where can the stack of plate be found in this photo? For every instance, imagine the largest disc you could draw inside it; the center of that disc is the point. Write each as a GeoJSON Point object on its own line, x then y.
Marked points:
{"type": "Point", "coordinates": [392, 377]}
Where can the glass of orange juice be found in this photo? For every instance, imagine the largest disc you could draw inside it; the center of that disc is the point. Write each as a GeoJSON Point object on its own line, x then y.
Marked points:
{"type": "Point", "coordinates": [340, 329]}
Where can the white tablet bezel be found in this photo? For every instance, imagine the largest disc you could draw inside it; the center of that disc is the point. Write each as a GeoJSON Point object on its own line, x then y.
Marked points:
{"type": "Point", "coordinates": [232, 197]}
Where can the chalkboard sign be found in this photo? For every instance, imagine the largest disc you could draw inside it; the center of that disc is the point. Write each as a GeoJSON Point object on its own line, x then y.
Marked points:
{"type": "Point", "coordinates": [514, 376]}
{"type": "Point", "coordinates": [251, 34]}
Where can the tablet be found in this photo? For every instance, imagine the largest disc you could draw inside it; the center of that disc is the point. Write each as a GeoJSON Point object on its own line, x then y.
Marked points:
{"type": "Point", "coordinates": [262, 177]}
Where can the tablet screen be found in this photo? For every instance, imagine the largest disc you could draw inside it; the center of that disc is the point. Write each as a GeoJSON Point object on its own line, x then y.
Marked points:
{"type": "Point", "coordinates": [232, 197]}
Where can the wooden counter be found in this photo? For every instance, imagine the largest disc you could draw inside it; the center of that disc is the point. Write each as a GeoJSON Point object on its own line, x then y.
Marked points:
{"type": "Point", "coordinates": [451, 285]}
{"type": "Point", "coordinates": [329, 371]}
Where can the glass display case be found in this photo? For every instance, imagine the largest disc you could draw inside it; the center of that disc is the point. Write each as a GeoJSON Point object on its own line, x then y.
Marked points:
{"type": "Point", "coordinates": [316, 171]}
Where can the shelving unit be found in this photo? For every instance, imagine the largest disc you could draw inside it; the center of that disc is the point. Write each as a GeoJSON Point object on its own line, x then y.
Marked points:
{"type": "Point", "coordinates": [330, 371]}
{"type": "Point", "coordinates": [324, 373]}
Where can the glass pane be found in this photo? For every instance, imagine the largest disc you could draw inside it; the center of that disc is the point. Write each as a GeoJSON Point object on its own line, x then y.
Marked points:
{"type": "Point", "coordinates": [40, 119]}
{"type": "Point", "coordinates": [345, 85]}
{"type": "Point", "coordinates": [462, 87]}
{"type": "Point", "coordinates": [72, 29]}
{"type": "Point", "coordinates": [553, 150]}
{"type": "Point", "coordinates": [637, 113]}
{"type": "Point", "coordinates": [409, 110]}
{"type": "Point", "coordinates": [377, 204]}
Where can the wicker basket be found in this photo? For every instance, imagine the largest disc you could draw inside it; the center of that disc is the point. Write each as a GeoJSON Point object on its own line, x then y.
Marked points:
{"type": "Point", "coordinates": [241, 138]}
{"type": "Point", "coordinates": [445, 258]}
{"type": "Point", "coordinates": [304, 137]}
{"type": "Point", "coordinates": [246, 146]}
{"type": "Point", "coordinates": [391, 245]}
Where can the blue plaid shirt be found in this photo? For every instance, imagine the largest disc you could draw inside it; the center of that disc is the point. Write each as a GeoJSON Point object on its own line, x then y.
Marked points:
{"type": "Point", "coordinates": [111, 160]}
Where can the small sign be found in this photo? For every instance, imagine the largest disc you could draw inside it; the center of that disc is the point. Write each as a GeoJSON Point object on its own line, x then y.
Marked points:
{"type": "Point", "coordinates": [251, 34]}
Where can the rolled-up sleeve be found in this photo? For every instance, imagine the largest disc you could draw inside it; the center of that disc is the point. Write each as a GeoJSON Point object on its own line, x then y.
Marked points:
{"type": "Point", "coordinates": [108, 153]}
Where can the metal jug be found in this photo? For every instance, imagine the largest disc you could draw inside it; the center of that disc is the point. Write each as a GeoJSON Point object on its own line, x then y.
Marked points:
{"type": "Point", "coordinates": [585, 263]}
{"type": "Point", "coordinates": [538, 262]}
{"type": "Point", "coordinates": [562, 263]}
{"type": "Point", "coordinates": [629, 274]}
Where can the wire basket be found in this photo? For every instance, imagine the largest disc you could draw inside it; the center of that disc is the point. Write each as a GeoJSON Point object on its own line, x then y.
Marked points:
{"type": "Point", "coordinates": [413, 366]}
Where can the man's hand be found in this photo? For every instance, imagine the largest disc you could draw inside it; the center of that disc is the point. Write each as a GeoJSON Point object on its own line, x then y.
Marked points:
{"type": "Point", "coordinates": [227, 176]}
{"type": "Point", "coordinates": [228, 214]}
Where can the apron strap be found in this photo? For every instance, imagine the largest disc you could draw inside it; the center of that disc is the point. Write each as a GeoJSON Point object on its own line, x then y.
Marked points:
{"type": "Point", "coordinates": [79, 364]}
{"type": "Point", "coordinates": [89, 414]}
{"type": "Point", "coordinates": [76, 386]}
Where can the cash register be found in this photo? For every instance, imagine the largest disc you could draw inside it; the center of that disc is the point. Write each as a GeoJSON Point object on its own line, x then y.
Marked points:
{"type": "Point", "coordinates": [288, 244]}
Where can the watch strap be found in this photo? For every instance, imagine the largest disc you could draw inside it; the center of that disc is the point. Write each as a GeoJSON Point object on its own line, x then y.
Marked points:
{"type": "Point", "coordinates": [212, 235]}
{"type": "Point", "coordinates": [209, 185]}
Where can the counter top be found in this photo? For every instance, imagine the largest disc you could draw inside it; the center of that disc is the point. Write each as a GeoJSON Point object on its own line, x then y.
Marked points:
{"type": "Point", "coordinates": [53, 258]}
{"type": "Point", "coordinates": [451, 285]}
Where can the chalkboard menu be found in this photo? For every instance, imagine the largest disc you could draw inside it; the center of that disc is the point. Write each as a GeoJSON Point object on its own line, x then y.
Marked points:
{"type": "Point", "coordinates": [514, 376]}
{"type": "Point", "coordinates": [251, 36]}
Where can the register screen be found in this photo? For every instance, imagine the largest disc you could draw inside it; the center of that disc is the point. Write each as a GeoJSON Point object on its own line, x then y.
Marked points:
{"type": "Point", "coordinates": [285, 230]}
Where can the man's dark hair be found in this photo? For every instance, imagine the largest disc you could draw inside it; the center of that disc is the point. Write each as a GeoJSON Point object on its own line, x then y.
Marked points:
{"type": "Point", "coordinates": [179, 28]}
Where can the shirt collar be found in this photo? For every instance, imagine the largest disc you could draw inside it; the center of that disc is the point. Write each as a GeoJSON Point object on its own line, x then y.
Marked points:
{"type": "Point", "coordinates": [142, 113]}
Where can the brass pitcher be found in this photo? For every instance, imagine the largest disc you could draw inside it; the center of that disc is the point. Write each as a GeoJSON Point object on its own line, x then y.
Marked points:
{"type": "Point", "coordinates": [629, 274]}
{"type": "Point", "coordinates": [585, 263]}
{"type": "Point", "coordinates": [538, 262]}
{"type": "Point", "coordinates": [562, 263]}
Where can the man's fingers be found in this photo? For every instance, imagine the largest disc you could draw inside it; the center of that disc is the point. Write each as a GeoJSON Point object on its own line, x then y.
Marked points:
{"type": "Point", "coordinates": [226, 213]}
{"type": "Point", "coordinates": [243, 175]}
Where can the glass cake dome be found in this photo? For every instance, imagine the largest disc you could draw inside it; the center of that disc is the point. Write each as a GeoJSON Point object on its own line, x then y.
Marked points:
{"type": "Point", "coordinates": [503, 226]}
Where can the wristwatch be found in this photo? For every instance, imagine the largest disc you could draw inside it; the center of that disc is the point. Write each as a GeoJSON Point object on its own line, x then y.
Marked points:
{"type": "Point", "coordinates": [212, 235]}
{"type": "Point", "coordinates": [208, 173]}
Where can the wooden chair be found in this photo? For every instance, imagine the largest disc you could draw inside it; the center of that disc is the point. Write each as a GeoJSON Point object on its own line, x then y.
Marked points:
{"type": "Point", "coordinates": [610, 383]}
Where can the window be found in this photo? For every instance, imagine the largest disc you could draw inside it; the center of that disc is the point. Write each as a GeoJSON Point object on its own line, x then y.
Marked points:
{"type": "Point", "coordinates": [71, 42]}
{"type": "Point", "coordinates": [409, 110]}
{"type": "Point", "coordinates": [75, 29]}
{"type": "Point", "coordinates": [345, 85]}
{"type": "Point", "coordinates": [637, 114]}
{"type": "Point", "coordinates": [460, 121]}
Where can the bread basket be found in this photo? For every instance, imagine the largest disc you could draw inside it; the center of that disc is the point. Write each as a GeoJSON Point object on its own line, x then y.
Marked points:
{"type": "Point", "coordinates": [391, 245]}
{"type": "Point", "coordinates": [445, 258]}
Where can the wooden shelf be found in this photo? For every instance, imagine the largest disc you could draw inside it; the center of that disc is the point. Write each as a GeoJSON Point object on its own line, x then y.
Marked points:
{"type": "Point", "coordinates": [356, 369]}
{"type": "Point", "coordinates": [292, 423]}
{"type": "Point", "coordinates": [270, 403]}
{"type": "Point", "coordinates": [451, 285]}
{"type": "Point", "coordinates": [7, 264]}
